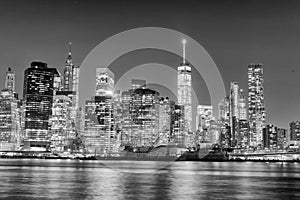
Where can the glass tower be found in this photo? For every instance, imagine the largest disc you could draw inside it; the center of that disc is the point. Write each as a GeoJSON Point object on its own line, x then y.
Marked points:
{"type": "Point", "coordinates": [38, 95]}
{"type": "Point", "coordinates": [256, 104]}
{"type": "Point", "coordinates": [184, 83]}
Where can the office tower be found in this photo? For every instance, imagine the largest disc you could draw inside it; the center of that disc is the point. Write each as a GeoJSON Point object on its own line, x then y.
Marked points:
{"type": "Point", "coordinates": [10, 80]}
{"type": "Point", "coordinates": [270, 137]}
{"type": "Point", "coordinates": [70, 84]}
{"type": "Point", "coordinates": [144, 112]}
{"type": "Point", "coordinates": [178, 126]}
{"type": "Point", "coordinates": [126, 118]}
{"type": "Point", "coordinates": [99, 125]}
{"type": "Point", "coordinates": [138, 83]}
{"type": "Point", "coordinates": [203, 119]}
{"type": "Point", "coordinates": [62, 135]}
{"type": "Point", "coordinates": [224, 121]}
{"type": "Point", "coordinates": [166, 108]}
{"type": "Point", "coordinates": [256, 105]}
{"type": "Point", "coordinates": [224, 109]}
{"type": "Point", "coordinates": [68, 72]}
{"type": "Point", "coordinates": [38, 96]}
{"type": "Point", "coordinates": [242, 106]}
{"type": "Point", "coordinates": [295, 131]}
{"type": "Point", "coordinates": [234, 111]}
{"type": "Point", "coordinates": [9, 121]}
{"type": "Point", "coordinates": [100, 135]}
{"type": "Point", "coordinates": [243, 138]}
{"type": "Point", "coordinates": [214, 134]}
{"type": "Point", "coordinates": [184, 83]}
{"type": "Point", "coordinates": [204, 116]}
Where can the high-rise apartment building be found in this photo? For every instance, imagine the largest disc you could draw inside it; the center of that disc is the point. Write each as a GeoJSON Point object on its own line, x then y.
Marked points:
{"type": "Point", "coordinates": [256, 104]}
{"type": "Point", "coordinates": [234, 100]}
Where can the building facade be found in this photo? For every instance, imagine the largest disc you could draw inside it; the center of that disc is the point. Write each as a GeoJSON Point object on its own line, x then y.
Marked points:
{"type": "Point", "coordinates": [184, 83]}
{"type": "Point", "coordinates": [256, 104]}
{"type": "Point", "coordinates": [38, 96]}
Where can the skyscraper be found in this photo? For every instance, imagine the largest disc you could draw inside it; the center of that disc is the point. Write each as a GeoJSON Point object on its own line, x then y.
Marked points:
{"type": "Point", "coordinates": [38, 96]}
{"type": "Point", "coordinates": [68, 72]}
{"type": "Point", "coordinates": [234, 100]}
{"type": "Point", "coordinates": [144, 112]}
{"type": "Point", "coordinates": [203, 120]}
{"type": "Point", "coordinates": [10, 80]}
{"type": "Point", "coordinates": [9, 121]}
{"type": "Point", "coordinates": [224, 120]}
{"type": "Point", "coordinates": [184, 83]}
{"type": "Point", "coordinates": [242, 106]}
{"type": "Point", "coordinates": [224, 110]}
{"type": "Point", "coordinates": [100, 135]}
{"type": "Point", "coordinates": [256, 104]}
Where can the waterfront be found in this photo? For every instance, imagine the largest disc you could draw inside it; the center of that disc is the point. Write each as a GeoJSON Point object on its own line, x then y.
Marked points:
{"type": "Point", "coordinates": [72, 179]}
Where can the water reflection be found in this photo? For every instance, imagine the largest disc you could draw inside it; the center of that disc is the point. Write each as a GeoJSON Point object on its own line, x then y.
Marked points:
{"type": "Point", "coordinates": [49, 179]}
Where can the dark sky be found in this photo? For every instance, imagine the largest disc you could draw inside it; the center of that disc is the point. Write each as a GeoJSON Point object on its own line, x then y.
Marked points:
{"type": "Point", "coordinates": [234, 33]}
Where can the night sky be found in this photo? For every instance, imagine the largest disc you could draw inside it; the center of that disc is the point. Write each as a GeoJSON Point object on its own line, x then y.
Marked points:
{"type": "Point", "coordinates": [234, 33]}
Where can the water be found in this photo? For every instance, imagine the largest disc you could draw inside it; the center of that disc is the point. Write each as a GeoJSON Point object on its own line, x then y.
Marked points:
{"type": "Point", "coordinates": [64, 179]}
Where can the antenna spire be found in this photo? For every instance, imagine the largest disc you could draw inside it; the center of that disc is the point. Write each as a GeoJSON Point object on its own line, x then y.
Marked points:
{"type": "Point", "coordinates": [183, 46]}
{"type": "Point", "coordinates": [70, 48]}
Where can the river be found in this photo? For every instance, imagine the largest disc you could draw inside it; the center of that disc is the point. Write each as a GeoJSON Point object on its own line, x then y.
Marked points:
{"type": "Point", "coordinates": [72, 179]}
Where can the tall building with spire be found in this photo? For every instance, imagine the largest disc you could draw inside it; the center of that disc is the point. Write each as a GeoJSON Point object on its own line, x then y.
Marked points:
{"type": "Point", "coordinates": [256, 104]}
{"type": "Point", "coordinates": [68, 72]}
{"type": "Point", "coordinates": [184, 83]}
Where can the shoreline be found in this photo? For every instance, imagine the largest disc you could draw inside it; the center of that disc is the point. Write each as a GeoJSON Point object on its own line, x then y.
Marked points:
{"type": "Point", "coordinates": [157, 160]}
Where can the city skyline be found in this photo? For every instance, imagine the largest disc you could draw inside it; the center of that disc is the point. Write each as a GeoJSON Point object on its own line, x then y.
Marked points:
{"type": "Point", "coordinates": [232, 54]}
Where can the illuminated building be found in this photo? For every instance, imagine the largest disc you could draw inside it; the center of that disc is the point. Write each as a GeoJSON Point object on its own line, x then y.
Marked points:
{"type": "Point", "coordinates": [234, 111]}
{"type": "Point", "coordinates": [224, 110]}
{"type": "Point", "coordinates": [68, 72]}
{"type": "Point", "coordinates": [10, 129]}
{"type": "Point", "coordinates": [144, 112]}
{"type": "Point", "coordinates": [242, 106]}
{"type": "Point", "coordinates": [243, 139]}
{"type": "Point", "coordinates": [71, 84]}
{"type": "Point", "coordinates": [256, 105]}
{"type": "Point", "coordinates": [126, 118]}
{"type": "Point", "coordinates": [295, 131]}
{"type": "Point", "coordinates": [214, 135]}
{"type": "Point", "coordinates": [178, 126]}
{"type": "Point", "coordinates": [10, 80]}
{"type": "Point", "coordinates": [203, 119]}
{"type": "Point", "coordinates": [184, 83]}
{"type": "Point", "coordinates": [100, 134]}
{"type": "Point", "coordinates": [224, 120]}
{"type": "Point", "coordinates": [282, 138]}
{"type": "Point", "coordinates": [38, 96]}
{"type": "Point", "coordinates": [166, 109]}
{"type": "Point", "coordinates": [270, 137]}
{"type": "Point", "coordinates": [99, 125]}
{"type": "Point", "coordinates": [62, 134]}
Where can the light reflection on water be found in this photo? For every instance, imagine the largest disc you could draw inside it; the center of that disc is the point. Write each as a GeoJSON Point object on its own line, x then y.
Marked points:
{"type": "Point", "coordinates": [53, 179]}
